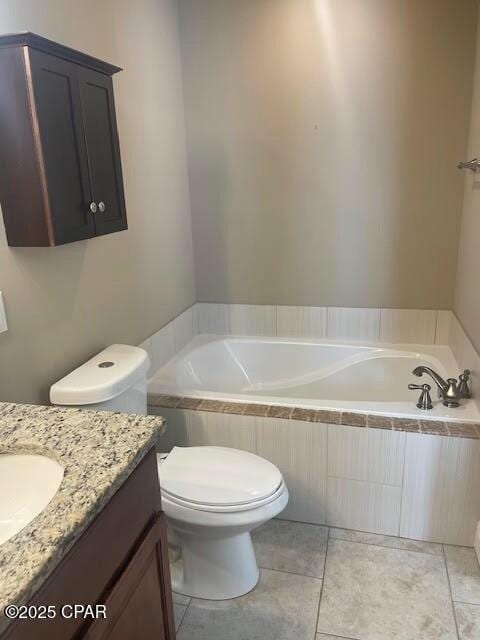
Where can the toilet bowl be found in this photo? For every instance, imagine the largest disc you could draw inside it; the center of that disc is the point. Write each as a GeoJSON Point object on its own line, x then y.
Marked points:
{"type": "Point", "coordinates": [213, 498]}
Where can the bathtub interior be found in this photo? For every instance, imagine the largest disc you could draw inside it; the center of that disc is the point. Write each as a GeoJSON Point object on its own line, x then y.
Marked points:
{"type": "Point", "coordinates": [310, 373]}
{"type": "Point", "coordinates": [379, 377]}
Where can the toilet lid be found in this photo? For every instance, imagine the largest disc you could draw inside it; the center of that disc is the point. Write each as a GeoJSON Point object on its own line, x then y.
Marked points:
{"type": "Point", "coordinates": [218, 476]}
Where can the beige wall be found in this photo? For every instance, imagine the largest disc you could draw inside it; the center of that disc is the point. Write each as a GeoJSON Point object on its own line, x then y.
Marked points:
{"type": "Point", "coordinates": [467, 290]}
{"type": "Point", "coordinates": [322, 142]}
{"type": "Point", "coordinates": [323, 138]}
{"type": "Point", "coordinates": [66, 303]}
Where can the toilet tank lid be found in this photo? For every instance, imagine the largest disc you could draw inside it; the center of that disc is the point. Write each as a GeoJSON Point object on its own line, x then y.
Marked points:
{"type": "Point", "coordinates": [105, 376]}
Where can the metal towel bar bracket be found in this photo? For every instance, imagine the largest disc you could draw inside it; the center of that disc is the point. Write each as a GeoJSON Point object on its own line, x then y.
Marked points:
{"type": "Point", "coordinates": [473, 164]}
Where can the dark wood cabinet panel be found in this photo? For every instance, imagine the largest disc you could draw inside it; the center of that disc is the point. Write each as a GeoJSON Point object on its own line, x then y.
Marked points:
{"type": "Point", "coordinates": [21, 184]}
{"type": "Point", "coordinates": [59, 115]}
{"type": "Point", "coordinates": [137, 605]}
{"type": "Point", "coordinates": [103, 154]}
{"type": "Point", "coordinates": [60, 102]}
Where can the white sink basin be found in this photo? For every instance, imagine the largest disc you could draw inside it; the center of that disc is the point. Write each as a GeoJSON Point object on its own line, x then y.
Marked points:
{"type": "Point", "coordinates": [27, 484]}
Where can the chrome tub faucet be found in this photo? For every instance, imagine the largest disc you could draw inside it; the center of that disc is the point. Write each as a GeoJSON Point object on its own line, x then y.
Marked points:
{"type": "Point", "coordinates": [448, 389]}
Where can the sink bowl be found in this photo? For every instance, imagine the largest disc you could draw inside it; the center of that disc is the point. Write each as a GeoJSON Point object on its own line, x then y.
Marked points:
{"type": "Point", "coordinates": [27, 484]}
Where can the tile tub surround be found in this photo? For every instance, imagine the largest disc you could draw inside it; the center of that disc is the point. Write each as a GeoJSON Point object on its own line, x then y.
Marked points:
{"type": "Point", "coordinates": [390, 326]}
{"type": "Point", "coordinates": [164, 344]}
{"type": "Point", "coordinates": [469, 430]}
{"type": "Point", "coordinates": [391, 482]}
{"type": "Point", "coordinates": [368, 326]}
{"type": "Point", "coordinates": [407, 326]}
{"type": "Point", "coordinates": [414, 326]}
{"type": "Point", "coordinates": [363, 586]}
{"type": "Point", "coordinates": [98, 451]}
{"type": "Point", "coordinates": [465, 355]}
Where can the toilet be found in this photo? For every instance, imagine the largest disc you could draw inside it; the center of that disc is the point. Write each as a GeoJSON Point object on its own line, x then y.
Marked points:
{"type": "Point", "coordinates": [213, 497]}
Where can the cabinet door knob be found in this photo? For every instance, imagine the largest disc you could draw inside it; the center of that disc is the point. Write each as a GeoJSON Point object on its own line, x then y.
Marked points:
{"type": "Point", "coordinates": [101, 207]}
{"type": "Point", "coordinates": [93, 207]}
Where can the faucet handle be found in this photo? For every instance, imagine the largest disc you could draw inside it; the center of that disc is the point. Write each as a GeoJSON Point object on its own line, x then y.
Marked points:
{"type": "Point", "coordinates": [425, 400]}
{"type": "Point", "coordinates": [464, 388]}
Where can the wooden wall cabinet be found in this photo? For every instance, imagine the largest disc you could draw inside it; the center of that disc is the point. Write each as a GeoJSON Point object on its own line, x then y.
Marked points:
{"type": "Point", "coordinates": [60, 169]}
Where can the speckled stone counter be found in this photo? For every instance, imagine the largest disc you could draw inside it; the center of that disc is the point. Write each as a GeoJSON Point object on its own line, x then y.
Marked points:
{"type": "Point", "coordinates": [98, 451]}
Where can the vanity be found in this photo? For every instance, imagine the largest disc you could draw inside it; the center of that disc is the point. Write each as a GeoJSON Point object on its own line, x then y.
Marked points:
{"type": "Point", "coordinates": [100, 541]}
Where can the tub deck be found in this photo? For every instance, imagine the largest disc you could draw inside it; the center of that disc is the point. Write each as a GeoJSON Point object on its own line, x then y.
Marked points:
{"type": "Point", "coordinates": [312, 380]}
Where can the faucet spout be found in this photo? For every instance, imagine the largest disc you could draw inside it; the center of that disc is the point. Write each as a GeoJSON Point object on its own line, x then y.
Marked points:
{"type": "Point", "coordinates": [437, 378]}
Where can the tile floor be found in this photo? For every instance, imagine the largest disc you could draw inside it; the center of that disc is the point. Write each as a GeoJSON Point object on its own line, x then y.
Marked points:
{"type": "Point", "coordinates": [320, 583]}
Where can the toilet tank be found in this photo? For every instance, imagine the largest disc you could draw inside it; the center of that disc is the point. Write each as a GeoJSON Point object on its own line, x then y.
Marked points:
{"type": "Point", "coordinates": [113, 380]}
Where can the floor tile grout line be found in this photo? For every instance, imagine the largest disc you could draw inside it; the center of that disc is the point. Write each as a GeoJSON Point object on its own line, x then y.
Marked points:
{"type": "Point", "coordinates": [450, 591]}
{"type": "Point", "coordinates": [470, 604]}
{"type": "Point", "coordinates": [317, 617]}
{"type": "Point", "coordinates": [383, 546]}
{"type": "Point", "coordinates": [310, 524]}
{"type": "Point", "coordinates": [334, 635]}
{"type": "Point", "coordinates": [375, 544]}
{"type": "Point", "coordinates": [291, 573]}
{"type": "Point", "coordinates": [321, 596]}
{"type": "Point", "coordinates": [184, 614]}
{"type": "Point", "coordinates": [387, 535]}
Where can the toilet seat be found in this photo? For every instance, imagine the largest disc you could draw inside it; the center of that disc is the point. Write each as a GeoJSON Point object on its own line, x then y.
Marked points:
{"type": "Point", "coordinates": [218, 479]}
{"type": "Point", "coordinates": [232, 508]}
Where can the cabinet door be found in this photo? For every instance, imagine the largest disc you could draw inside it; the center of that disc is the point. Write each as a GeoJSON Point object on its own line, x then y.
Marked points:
{"type": "Point", "coordinates": [64, 159]}
{"type": "Point", "coordinates": [103, 151]}
{"type": "Point", "coordinates": [140, 603]}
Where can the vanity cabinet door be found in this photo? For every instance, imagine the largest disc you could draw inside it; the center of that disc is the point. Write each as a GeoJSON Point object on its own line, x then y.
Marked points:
{"type": "Point", "coordinates": [58, 113]}
{"type": "Point", "coordinates": [103, 151]}
{"type": "Point", "coordinates": [140, 603]}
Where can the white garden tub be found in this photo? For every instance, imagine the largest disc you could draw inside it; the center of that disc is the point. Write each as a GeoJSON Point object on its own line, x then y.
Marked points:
{"type": "Point", "coordinates": [309, 373]}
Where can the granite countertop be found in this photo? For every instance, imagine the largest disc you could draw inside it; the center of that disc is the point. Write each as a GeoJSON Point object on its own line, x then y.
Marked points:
{"type": "Point", "coordinates": [98, 451]}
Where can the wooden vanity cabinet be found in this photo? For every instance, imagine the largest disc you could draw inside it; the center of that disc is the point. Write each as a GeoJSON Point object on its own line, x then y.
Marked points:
{"type": "Point", "coordinates": [121, 561]}
{"type": "Point", "coordinates": [60, 168]}
{"type": "Point", "coordinates": [137, 603]}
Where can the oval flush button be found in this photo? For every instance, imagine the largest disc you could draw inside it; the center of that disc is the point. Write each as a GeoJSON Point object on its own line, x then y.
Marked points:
{"type": "Point", "coordinates": [105, 365]}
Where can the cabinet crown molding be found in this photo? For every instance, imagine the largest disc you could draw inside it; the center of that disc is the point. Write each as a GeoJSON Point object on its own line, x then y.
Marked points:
{"type": "Point", "coordinates": [34, 41]}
